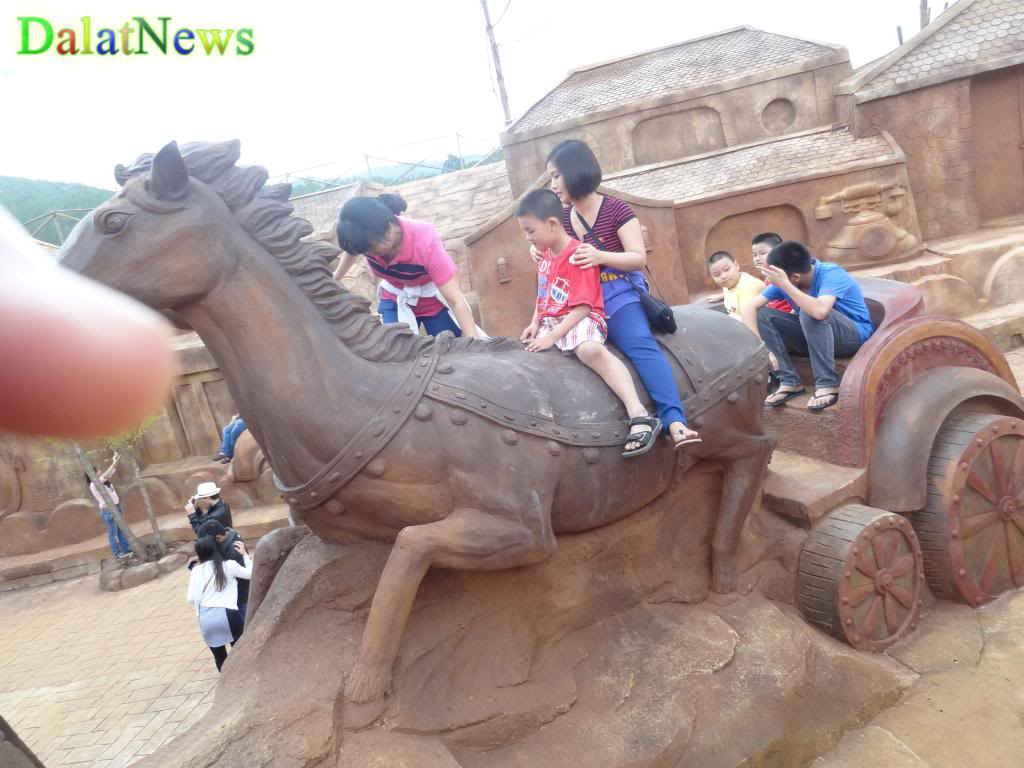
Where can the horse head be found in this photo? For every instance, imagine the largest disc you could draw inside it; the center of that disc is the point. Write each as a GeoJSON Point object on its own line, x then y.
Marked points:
{"type": "Point", "coordinates": [161, 238]}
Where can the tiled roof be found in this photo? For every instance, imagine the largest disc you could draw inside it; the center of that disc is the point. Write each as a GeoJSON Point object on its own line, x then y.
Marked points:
{"type": "Point", "coordinates": [726, 56]}
{"type": "Point", "coordinates": [455, 203]}
{"type": "Point", "coordinates": [969, 36]}
{"type": "Point", "coordinates": [740, 168]}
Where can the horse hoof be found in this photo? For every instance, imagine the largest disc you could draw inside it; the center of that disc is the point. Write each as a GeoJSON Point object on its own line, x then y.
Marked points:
{"type": "Point", "coordinates": [367, 684]}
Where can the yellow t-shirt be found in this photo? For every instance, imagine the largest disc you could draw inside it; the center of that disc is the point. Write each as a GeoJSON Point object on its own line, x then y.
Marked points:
{"type": "Point", "coordinates": [746, 289]}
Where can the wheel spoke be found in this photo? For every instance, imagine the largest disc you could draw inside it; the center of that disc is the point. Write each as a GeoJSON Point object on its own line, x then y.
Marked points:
{"type": "Point", "coordinates": [878, 550]}
{"type": "Point", "coordinates": [996, 553]}
{"type": "Point", "coordinates": [903, 566]}
{"type": "Point", "coordinates": [998, 475]}
{"type": "Point", "coordinates": [1018, 521]}
{"type": "Point", "coordinates": [857, 595]}
{"type": "Point", "coordinates": [892, 614]}
{"type": "Point", "coordinates": [865, 567]}
{"type": "Point", "coordinates": [975, 481]}
{"type": "Point", "coordinates": [872, 617]}
{"type": "Point", "coordinates": [895, 539]}
{"type": "Point", "coordinates": [904, 595]}
{"type": "Point", "coordinates": [978, 523]}
{"type": "Point", "coordinates": [1014, 554]}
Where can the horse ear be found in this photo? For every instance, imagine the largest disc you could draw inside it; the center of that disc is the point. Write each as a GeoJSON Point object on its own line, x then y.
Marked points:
{"type": "Point", "coordinates": [169, 178]}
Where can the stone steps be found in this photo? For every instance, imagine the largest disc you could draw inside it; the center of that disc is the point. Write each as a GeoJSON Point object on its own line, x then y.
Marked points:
{"type": "Point", "coordinates": [805, 489]}
{"type": "Point", "coordinates": [1003, 324]}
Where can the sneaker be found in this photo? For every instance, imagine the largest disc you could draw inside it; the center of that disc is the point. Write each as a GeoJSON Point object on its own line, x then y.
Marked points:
{"type": "Point", "coordinates": [221, 457]}
{"type": "Point", "coordinates": [124, 555]}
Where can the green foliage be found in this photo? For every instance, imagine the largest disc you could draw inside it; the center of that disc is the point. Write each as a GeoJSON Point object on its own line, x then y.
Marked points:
{"type": "Point", "coordinates": [28, 198]}
{"type": "Point", "coordinates": [132, 437]}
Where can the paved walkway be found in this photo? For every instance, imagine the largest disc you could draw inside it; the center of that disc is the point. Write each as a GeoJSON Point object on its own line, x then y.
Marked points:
{"type": "Point", "coordinates": [91, 678]}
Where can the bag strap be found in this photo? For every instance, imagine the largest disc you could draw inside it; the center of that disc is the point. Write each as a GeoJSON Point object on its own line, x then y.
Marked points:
{"type": "Point", "coordinates": [590, 229]}
{"type": "Point", "coordinates": [603, 247]}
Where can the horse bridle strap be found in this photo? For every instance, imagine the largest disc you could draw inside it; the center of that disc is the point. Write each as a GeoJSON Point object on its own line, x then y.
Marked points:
{"type": "Point", "coordinates": [368, 441]}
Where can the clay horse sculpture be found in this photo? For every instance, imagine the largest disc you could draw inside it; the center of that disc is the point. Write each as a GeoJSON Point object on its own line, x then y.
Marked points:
{"type": "Point", "coordinates": [467, 454]}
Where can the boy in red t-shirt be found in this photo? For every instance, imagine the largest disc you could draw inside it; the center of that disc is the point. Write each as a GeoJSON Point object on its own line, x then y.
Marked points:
{"type": "Point", "coordinates": [570, 312]}
{"type": "Point", "coordinates": [760, 247]}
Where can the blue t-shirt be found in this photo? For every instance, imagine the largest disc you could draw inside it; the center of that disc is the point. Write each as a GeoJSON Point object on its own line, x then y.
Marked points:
{"type": "Point", "coordinates": [833, 280]}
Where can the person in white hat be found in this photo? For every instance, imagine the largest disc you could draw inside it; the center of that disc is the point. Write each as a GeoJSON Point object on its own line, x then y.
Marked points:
{"type": "Point", "coordinates": [208, 505]}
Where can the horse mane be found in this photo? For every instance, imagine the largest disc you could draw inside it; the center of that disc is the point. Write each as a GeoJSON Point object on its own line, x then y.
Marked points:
{"type": "Point", "coordinates": [266, 214]}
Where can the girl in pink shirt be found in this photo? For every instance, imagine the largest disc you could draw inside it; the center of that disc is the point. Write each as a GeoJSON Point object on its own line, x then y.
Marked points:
{"type": "Point", "coordinates": [118, 542]}
{"type": "Point", "coordinates": [418, 279]}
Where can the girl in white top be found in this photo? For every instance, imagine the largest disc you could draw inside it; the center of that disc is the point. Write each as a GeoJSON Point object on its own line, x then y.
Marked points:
{"type": "Point", "coordinates": [213, 590]}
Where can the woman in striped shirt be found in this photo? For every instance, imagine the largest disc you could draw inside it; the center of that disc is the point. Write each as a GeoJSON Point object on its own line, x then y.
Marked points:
{"type": "Point", "coordinates": [575, 177]}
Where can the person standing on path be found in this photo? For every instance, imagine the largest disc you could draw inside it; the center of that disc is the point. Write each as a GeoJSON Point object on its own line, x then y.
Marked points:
{"type": "Point", "coordinates": [118, 543]}
{"type": "Point", "coordinates": [213, 590]}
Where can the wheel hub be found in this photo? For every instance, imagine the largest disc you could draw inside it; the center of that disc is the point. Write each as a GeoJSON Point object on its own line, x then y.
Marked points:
{"type": "Point", "coordinates": [1007, 507]}
{"type": "Point", "coordinates": [883, 581]}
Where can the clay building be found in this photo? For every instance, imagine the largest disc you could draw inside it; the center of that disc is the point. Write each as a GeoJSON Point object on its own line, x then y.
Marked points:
{"type": "Point", "coordinates": [715, 91]}
{"type": "Point", "coordinates": [953, 98]}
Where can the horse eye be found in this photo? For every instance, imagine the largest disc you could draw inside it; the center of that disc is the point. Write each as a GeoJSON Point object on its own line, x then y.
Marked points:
{"type": "Point", "coordinates": [114, 223]}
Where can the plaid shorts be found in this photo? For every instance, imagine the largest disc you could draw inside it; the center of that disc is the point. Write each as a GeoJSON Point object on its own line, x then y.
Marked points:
{"type": "Point", "coordinates": [590, 328]}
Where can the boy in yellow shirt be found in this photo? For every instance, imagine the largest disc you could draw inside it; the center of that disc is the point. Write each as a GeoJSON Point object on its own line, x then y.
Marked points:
{"type": "Point", "coordinates": [737, 287]}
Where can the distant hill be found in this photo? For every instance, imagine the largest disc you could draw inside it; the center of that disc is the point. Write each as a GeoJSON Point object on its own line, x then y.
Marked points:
{"type": "Point", "coordinates": [29, 198]}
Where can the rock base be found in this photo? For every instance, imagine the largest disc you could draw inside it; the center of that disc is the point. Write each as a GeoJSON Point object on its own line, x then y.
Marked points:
{"type": "Point", "coordinates": [609, 654]}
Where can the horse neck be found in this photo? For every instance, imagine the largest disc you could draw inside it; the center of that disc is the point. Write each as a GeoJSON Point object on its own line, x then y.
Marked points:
{"type": "Point", "coordinates": [301, 391]}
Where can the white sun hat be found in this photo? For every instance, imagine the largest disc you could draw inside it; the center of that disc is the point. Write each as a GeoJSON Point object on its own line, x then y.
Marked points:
{"type": "Point", "coordinates": [205, 490]}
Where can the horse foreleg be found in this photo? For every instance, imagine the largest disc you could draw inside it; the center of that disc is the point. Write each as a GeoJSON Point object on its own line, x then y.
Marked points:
{"type": "Point", "coordinates": [466, 540]}
{"type": "Point", "coordinates": [741, 481]}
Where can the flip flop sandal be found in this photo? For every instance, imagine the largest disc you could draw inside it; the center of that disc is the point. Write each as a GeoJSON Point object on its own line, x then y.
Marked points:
{"type": "Point", "coordinates": [831, 398]}
{"type": "Point", "coordinates": [646, 439]}
{"type": "Point", "coordinates": [677, 444]}
{"type": "Point", "coordinates": [786, 397]}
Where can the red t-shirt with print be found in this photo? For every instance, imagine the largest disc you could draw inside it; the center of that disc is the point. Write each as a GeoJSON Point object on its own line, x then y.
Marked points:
{"type": "Point", "coordinates": [562, 286]}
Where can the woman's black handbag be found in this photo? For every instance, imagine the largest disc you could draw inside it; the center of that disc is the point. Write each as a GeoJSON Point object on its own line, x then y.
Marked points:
{"type": "Point", "coordinates": [659, 313]}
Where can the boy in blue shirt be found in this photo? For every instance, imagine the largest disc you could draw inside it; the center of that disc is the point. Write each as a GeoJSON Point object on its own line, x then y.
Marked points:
{"type": "Point", "coordinates": [832, 319]}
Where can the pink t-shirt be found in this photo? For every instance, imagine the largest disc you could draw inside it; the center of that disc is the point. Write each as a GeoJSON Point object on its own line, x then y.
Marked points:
{"type": "Point", "coordinates": [420, 260]}
{"type": "Point", "coordinates": [99, 497]}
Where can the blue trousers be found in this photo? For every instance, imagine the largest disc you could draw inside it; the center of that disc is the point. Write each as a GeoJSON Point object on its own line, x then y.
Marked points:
{"type": "Point", "coordinates": [434, 325]}
{"type": "Point", "coordinates": [229, 436]}
{"type": "Point", "coordinates": [629, 330]}
{"type": "Point", "coordinates": [118, 543]}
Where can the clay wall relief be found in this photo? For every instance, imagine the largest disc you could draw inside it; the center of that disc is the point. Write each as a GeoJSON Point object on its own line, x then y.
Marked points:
{"type": "Point", "coordinates": [45, 503]}
{"type": "Point", "coordinates": [855, 218]}
{"type": "Point", "coordinates": [933, 127]}
{"type": "Point", "coordinates": [997, 120]}
{"type": "Point", "coordinates": [672, 131]}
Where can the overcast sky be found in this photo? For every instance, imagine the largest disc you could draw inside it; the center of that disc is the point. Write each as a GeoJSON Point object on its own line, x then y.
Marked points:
{"type": "Point", "coordinates": [331, 81]}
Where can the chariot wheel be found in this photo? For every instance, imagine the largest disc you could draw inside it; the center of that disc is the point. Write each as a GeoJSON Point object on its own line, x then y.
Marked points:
{"type": "Point", "coordinates": [972, 529]}
{"type": "Point", "coordinates": [861, 577]}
